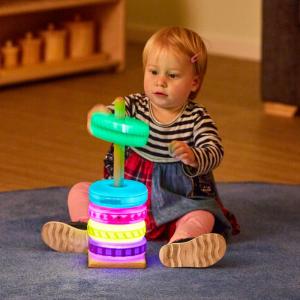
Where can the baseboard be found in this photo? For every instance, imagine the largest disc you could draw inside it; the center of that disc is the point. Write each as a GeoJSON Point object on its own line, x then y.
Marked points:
{"type": "Point", "coordinates": [216, 44]}
{"type": "Point", "coordinates": [233, 47]}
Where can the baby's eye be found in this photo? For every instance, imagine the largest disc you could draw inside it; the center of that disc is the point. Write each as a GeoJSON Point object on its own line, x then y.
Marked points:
{"type": "Point", "coordinates": [173, 75]}
{"type": "Point", "coordinates": [153, 72]}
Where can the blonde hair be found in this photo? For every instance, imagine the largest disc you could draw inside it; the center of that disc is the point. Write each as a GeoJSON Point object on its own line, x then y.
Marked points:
{"type": "Point", "coordinates": [181, 41]}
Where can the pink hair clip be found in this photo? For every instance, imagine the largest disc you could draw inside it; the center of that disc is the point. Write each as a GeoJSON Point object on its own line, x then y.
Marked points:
{"type": "Point", "coordinates": [195, 57]}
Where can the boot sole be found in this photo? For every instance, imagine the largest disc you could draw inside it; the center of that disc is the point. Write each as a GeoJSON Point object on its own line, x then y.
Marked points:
{"type": "Point", "coordinates": [62, 237]}
{"type": "Point", "coordinates": [200, 252]}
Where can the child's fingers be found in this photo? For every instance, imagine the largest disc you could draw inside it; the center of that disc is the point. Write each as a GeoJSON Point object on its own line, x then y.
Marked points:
{"type": "Point", "coordinates": [184, 157]}
{"type": "Point", "coordinates": [176, 147]}
{"type": "Point", "coordinates": [96, 108]}
{"type": "Point", "coordinates": [182, 152]}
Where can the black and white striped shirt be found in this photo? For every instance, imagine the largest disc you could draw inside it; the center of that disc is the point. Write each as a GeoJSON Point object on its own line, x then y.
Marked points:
{"type": "Point", "coordinates": [193, 126]}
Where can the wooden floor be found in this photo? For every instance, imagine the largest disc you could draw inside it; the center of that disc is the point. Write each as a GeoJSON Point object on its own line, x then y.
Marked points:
{"type": "Point", "coordinates": [44, 141]}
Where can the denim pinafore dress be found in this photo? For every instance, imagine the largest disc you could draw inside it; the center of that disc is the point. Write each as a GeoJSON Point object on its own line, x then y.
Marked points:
{"type": "Point", "coordinates": [172, 193]}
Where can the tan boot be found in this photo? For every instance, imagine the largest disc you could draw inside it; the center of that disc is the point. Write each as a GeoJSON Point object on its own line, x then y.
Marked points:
{"type": "Point", "coordinates": [62, 237]}
{"type": "Point", "coordinates": [200, 252]}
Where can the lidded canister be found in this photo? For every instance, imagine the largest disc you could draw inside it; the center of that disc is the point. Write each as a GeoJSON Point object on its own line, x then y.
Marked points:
{"type": "Point", "coordinates": [30, 49]}
{"type": "Point", "coordinates": [54, 43]}
{"type": "Point", "coordinates": [9, 55]}
{"type": "Point", "coordinates": [81, 37]}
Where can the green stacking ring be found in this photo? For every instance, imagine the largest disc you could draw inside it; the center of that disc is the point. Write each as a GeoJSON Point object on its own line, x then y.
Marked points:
{"type": "Point", "coordinates": [126, 132]}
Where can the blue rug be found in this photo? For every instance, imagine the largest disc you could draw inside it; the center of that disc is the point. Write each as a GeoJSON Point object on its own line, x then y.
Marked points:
{"type": "Point", "coordinates": [263, 262]}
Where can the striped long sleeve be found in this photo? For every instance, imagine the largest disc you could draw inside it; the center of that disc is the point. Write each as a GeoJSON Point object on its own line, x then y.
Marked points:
{"type": "Point", "coordinates": [208, 147]}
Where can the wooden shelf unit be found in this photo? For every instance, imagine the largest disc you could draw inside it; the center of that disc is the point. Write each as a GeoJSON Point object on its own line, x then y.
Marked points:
{"type": "Point", "coordinates": [18, 17]}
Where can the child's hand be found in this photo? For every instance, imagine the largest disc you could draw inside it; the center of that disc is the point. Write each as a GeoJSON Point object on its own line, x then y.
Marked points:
{"type": "Point", "coordinates": [183, 152]}
{"type": "Point", "coordinates": [96, 108]}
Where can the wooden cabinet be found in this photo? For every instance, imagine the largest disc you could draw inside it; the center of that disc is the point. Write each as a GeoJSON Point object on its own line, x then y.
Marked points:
{"type": "Point", "coordinates": [18, 17]}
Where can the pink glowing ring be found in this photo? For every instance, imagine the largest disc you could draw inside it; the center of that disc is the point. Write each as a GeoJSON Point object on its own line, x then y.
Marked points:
{"type": "Point", "coordinates": [117, 215]}
{"type": "Point", "coordinates": [110, 259]}
{"type": "Point", "coordinates": [117, 250]}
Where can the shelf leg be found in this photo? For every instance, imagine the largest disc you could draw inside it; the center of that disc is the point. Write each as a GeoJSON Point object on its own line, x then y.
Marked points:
{"type": "Point", "coordinates": [280, 109]}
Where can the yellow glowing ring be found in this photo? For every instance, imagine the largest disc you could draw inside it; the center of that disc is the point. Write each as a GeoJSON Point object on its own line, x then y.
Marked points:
{"type": "Point", "coordinates": [108, 232]}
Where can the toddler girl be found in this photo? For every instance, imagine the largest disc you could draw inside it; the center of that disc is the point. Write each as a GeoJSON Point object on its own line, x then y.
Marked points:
{"type": "Point", "coordinates": [176, 163]}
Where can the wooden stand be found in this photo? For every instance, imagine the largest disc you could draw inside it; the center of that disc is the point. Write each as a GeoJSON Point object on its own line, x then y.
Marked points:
{"type": "Point", "coordinates": [106, 50]}
{"type": "Point", "coordinates": [279, 109]}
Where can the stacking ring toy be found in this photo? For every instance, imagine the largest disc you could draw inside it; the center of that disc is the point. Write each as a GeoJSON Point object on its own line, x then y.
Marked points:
{"type": "Point", "coordinates": [117, 216]}
{"type": "Point", "coordinates": [117, 208]}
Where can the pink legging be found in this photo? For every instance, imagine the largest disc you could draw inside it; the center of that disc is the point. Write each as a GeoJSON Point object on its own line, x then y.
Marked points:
{"type": "Point", "coordinates": [190, 225]}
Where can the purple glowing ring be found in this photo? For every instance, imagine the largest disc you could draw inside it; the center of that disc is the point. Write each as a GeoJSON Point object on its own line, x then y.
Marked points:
{"type": "Point", "coordinates": [123, 250]}
{"type": "Point", "coordinates": [117, 215]}
{"type": "Point", "coordinates": [109, 244]}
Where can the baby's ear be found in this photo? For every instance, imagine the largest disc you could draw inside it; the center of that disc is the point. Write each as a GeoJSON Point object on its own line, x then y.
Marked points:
{"type": "Point", "coordinates": [196, 83]}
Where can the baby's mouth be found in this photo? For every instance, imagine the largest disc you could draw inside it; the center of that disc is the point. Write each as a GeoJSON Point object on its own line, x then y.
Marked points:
{"type": "Point", "coordinates": [160, 94]}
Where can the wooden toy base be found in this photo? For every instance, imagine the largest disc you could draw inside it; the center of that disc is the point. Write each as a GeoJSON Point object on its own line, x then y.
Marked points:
{"type": "Point", "coordinates": [92, 263]}
{"type": "Point", "coordinates": [58, 68]}
{"type": "Point", "coordinates": [279, 109]}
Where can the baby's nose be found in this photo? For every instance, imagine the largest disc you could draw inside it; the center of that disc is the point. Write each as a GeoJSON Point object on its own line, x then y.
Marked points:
{"type": "Point", "coordinates": [161, 81]}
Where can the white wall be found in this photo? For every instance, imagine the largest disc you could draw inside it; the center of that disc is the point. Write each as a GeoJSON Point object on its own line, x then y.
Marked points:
{"type": "Point", "coordinates": [229, 27]}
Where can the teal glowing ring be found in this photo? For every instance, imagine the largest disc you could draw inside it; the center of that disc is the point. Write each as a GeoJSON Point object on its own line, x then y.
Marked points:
{"type": "Point", "coordinates": [132, 193]}
{"type": "Point", "coordinates": [126, 132]}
